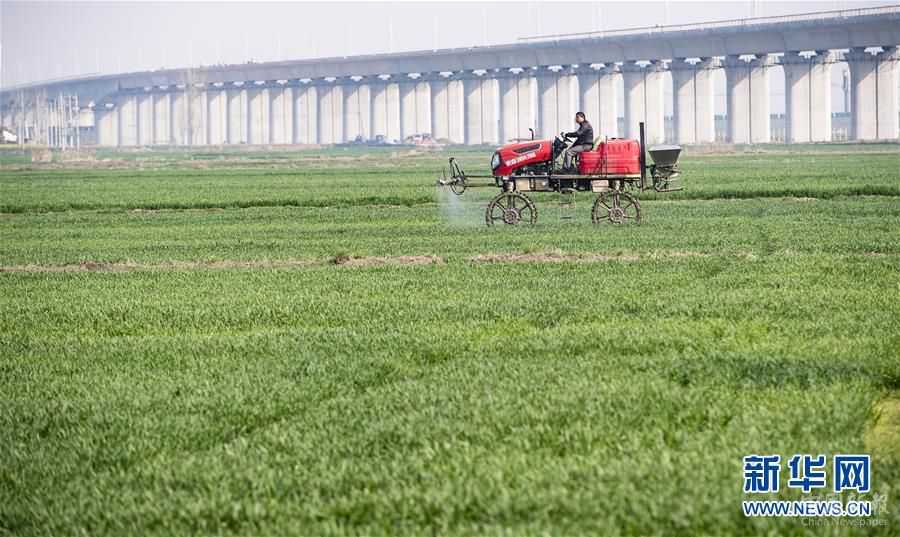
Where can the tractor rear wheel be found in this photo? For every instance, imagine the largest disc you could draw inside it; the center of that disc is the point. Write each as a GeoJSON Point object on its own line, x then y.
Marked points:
{"type": "Point", "coordinates": [511, 208]}
{"type": "Point", "coordinates": [616, 207]}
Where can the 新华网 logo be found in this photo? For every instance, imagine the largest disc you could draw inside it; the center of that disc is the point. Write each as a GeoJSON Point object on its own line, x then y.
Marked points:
{"type": "Point", "coordinates": [808, 473]}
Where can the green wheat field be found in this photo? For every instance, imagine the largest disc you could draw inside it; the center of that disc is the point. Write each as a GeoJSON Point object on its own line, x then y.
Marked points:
{"type": "Point", "coordinates": [321, 342]}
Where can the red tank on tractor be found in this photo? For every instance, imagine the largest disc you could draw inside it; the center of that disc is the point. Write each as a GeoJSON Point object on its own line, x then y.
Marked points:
{"type": "Point", "coordinates": [615, 170]}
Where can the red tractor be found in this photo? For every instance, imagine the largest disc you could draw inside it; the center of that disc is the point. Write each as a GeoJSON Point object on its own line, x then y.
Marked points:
{"type": "Point", "coordinates": [612, 167]}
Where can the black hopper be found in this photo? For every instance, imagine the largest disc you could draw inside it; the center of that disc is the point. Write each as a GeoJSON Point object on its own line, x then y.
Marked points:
{"type": "Point", "coordinates": [664, 171]}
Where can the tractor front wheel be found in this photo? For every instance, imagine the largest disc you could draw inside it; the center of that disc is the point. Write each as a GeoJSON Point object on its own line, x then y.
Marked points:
{"type": "Point", "coordinates": [511, 208]}
{"type": "Point", "coordinates": [616, 207]}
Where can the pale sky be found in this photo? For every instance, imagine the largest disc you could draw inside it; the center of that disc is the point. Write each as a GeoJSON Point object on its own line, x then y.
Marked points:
{"type": "Point", "coordinates": [47, 40]}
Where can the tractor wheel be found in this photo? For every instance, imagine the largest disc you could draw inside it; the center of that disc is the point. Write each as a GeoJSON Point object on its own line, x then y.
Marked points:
{"type": "Point", "coordinates": [616, 207]}
{"type": "Point", "coordinates": [511, 208]}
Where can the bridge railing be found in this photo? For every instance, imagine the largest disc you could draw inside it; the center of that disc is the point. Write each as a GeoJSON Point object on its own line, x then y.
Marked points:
{"type": "Point", "coordinates": [727, 23]}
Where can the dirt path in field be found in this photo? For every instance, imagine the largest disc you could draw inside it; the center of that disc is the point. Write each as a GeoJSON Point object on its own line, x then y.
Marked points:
{"type": "Point", "coordinates": [561, 257]}
{"type": "Point", "coordinates": [549, 258]}
{"type": "Point", "coordinates": [340, 260]}
{"type": "Point", "coordinates": [344, 260]}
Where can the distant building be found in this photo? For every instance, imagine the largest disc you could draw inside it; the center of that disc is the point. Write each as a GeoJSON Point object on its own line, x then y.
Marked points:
{"type": "Point", "coordinates": [7, 136]}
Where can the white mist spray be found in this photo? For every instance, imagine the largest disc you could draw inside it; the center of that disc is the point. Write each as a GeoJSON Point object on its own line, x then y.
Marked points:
{"type": "Point", "coordinates": [454, 210]}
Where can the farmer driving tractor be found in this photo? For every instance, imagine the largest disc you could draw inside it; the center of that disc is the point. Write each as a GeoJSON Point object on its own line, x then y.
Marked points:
{"type": "Point", "coordinates": [584, 140]}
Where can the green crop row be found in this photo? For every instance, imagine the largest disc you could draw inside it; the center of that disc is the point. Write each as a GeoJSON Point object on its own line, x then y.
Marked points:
{"type": "Point", "coordinates": [450, 227]}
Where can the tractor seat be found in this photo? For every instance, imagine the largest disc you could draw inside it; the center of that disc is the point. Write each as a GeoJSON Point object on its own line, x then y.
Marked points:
{"type": "Point", "coordinates": [600, 140]}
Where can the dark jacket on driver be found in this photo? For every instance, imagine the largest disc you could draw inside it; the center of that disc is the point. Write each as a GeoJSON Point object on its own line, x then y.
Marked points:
{"type": "Point", "coordinates": [585, 134]}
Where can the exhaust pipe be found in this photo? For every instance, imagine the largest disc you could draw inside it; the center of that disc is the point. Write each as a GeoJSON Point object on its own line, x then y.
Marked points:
{"type": "Point", "coordinates": [643, 155]}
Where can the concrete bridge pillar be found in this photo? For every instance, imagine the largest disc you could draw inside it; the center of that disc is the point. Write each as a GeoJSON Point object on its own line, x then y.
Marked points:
{"type": "Point", "coordinates": [440, 116]}
{"type": "Point", "coordinates": [260, 115]}
{"type": "Point", "coordinates": [145, 119]}
{"type": "Point", "coordinates": [393, 119]}
{"type": "Point", "coordinates": [306, 122]}
{"type": "Point", "coordinates": [408, 103]}
{"type": "Point", "coordinates": [820, 96]}
{"type": "Point", "coordinates": [807, 92]}
{"type": "Point", "coordinates": [255, 113]}
{"type": "Point", "coordinates": [480, 109]}
{"type": "Point", "coordinates": [386, 109]}
{"type": "Point", "coordinates": [128, 120]}
{"type": "Point", "coordinates": [863, 94]}
{"type": "Point", "coordinates": [633, 98]}
{"type": "Point", "coordinates": [197, 114]}
{"type": "Point", "coordinates": [366, 110]}
{"type": "Point", "coordinates": [548, 102]}
{"type": "Point", "coordinates": [237, 108]}
{"type": "Point", "coordinates": [644, 101]}
{"type": "Point", "coordinates": [351, 118]}
{"type": "Point", "coordinates": [357, 110]}
{"type": "Point", "coordinates": [162, 106]}
{"type": "Point", "coordinates": [217, 113]}
{"type": "Point", "coordinates": [747, 95]}
{"type": "Point", "coordinates": [23, 123]}
{"type": "Point", "coordinates": [107, 125]}
{"type": "Point", "coordinates": [517, 105]}
{"type": "Point", "coordinates": [888, 98]}
{"type": "Point", "coordinates": [281, 114]}
{"type": "Point", "coordinates": [379, 107]}
{"type": "Point", "coordinates": [557, 91]}
{"type": "Point", "coordinates": [415, 107]}
{"type": "Point", "coordinates": [737, 95]}
{"type": "Point", "coordinates": [597, 99]}
{"type": "Point", "coordinates": [472, 109]}
{"type": "Point", "coordinates": [447, 109]}
{"type": "Point", "coordinates": [873, 94]}
{"type": "Point", "coordinates": [275, 105]}
{"type": "Point", "coordinates": [693, 101]}
{"type": "Point", "coordinates": [178, 113]}
{"type": "Point", "coordinates": [509, 106]}
{"type": "Point", "coordinates": [331, 113]}
{"type": "Point", "coordinates": [19, 117]}
{"type": "Point", "coordinates": [423, 106]}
